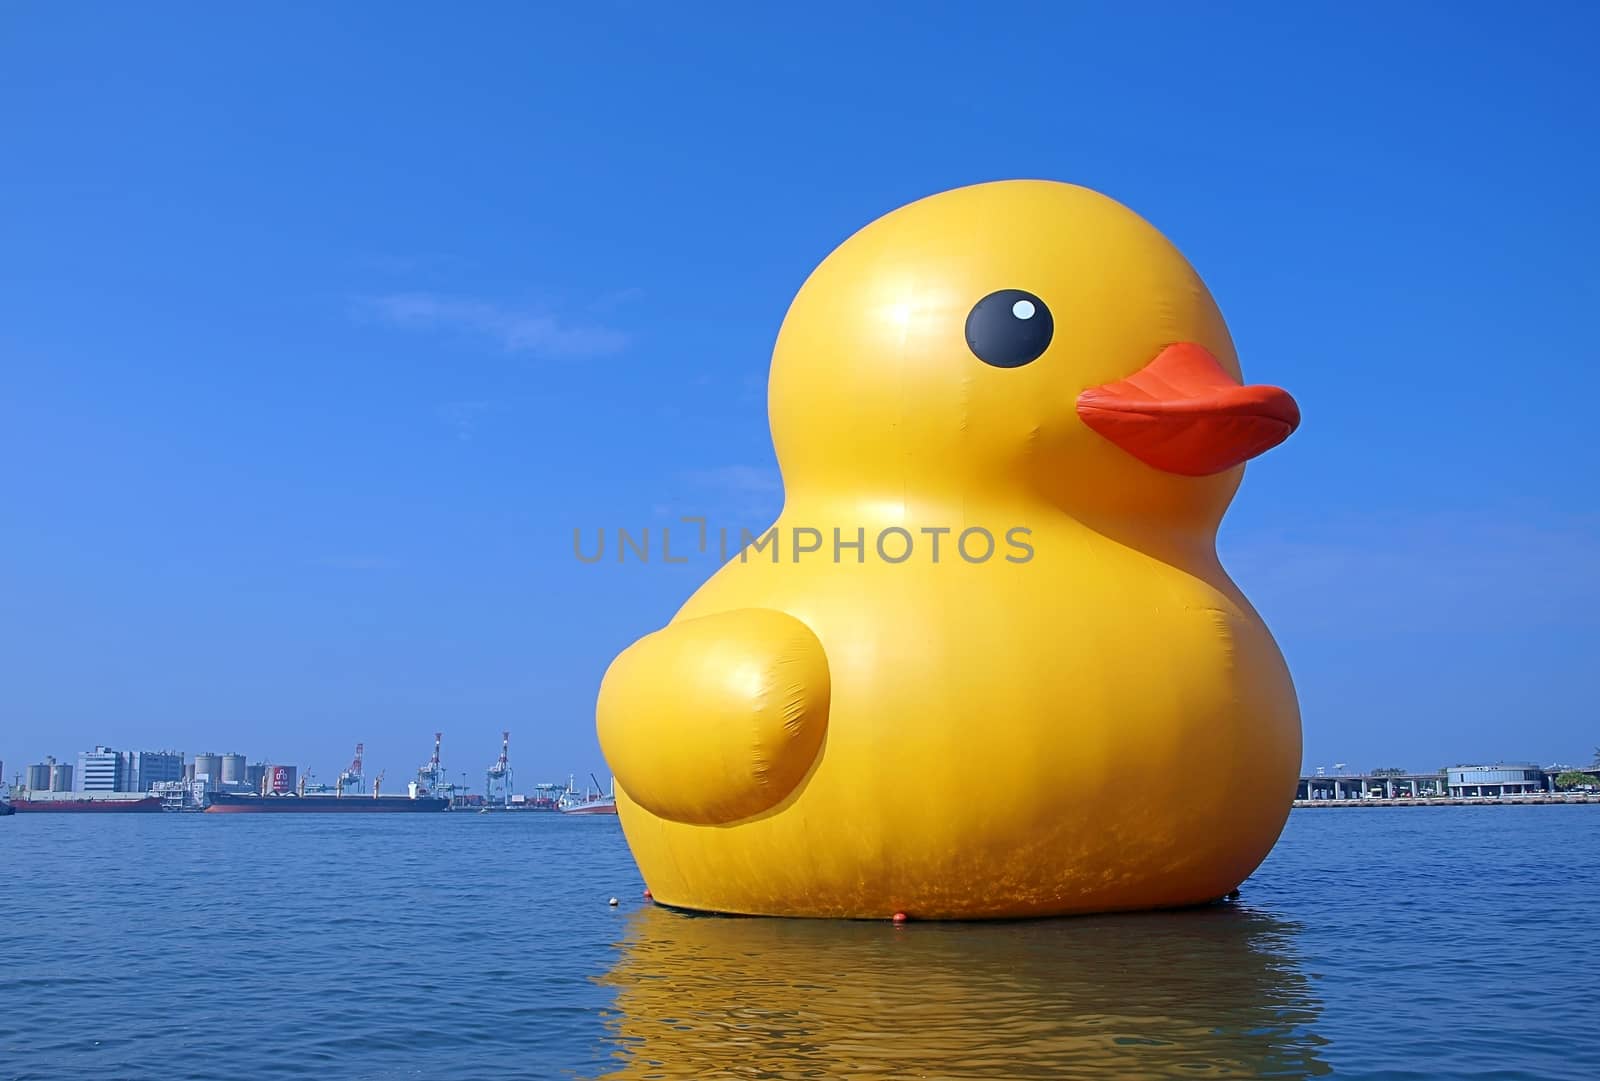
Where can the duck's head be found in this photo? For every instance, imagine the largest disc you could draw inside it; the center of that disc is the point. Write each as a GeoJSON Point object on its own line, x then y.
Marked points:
{"type": "Point", "coordinates": [1023, 338]}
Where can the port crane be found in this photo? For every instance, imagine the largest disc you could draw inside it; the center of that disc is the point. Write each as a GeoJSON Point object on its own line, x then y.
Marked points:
{"type": "Point", "coordinates": [430, 776]}
{"type": "Point", "coordinates": [497, 784]}
{"type": "Point", "coordinates": [351, 780]}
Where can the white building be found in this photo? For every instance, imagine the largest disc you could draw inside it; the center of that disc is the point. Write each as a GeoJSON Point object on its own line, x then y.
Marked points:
{"type": "Point", "coordinates": [101, 770]}
{"type": "Point", "coordinates": [1500, 779]}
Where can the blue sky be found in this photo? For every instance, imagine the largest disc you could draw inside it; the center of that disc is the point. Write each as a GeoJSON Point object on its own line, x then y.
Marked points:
{"type": "Point", "coordinates": [322, 329]}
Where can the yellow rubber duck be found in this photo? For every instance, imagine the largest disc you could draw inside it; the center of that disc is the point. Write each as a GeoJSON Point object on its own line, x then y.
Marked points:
{"type": "Point", "coordinates": [986, 663]}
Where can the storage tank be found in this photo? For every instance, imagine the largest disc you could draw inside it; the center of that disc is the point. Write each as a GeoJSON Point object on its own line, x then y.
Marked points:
{"type": "Point", "coordinates": [39, 775]}
{"type": "Point", "coordinates": [61, 778]}
{"type": "Point", "coordinates": [233, 767]}
{"type": "Point", "coordinates": [208, 766]}
{"type": "Point", "coordinates": [283, 777]}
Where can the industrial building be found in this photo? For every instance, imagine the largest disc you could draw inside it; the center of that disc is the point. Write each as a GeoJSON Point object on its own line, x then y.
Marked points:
{"type": "Point", "coordinates": [1463, 782]}
{"type": "Point", "coordinates": [221, 772]}
{"type": "Point", "coordinates": [208, 768]}
{"type": "Point", "coordinates": [106, 770]}
{"type": "Point", "coordinates": [38, 775]}
{"type": "Point", "coordinates": [283, 778]}
{"type": "Point", "coordinates": [146, 769]}
{"type": "Point", "coordinates": [101, 770]}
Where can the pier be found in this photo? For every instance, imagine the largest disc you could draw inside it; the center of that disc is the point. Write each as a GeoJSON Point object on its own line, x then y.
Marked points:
{"type": "Point", "coordinates": [1450, 801]}
{"type": "Point", "coordinates": [1458, 786]}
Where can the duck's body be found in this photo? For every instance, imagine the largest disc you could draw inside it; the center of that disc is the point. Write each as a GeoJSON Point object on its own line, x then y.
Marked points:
{"type": "Point", "coordinates": [1006, 742]}
{"type": "Point", "coordinates": [1084, 716]}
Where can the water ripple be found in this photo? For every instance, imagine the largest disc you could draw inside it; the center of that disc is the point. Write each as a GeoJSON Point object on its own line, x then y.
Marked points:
{"type": "Point", "coordinates": [1418, 943]}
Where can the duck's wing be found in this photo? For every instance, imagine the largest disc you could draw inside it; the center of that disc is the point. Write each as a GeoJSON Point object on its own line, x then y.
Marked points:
{"type": "Point", "coordinates": [715, 719]}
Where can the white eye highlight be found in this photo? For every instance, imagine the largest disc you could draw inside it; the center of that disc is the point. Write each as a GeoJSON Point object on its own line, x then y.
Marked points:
{"type": "Point", "coordinates": [1022, 309]}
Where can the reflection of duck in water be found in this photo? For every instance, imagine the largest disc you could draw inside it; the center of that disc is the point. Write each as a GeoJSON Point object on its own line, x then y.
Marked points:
{"type": "Point", "coordinates": [1204, 993]}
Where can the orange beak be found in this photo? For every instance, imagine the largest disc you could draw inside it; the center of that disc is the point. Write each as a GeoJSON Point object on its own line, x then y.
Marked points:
{"type": "Point", "coordinates": [1184, 414]}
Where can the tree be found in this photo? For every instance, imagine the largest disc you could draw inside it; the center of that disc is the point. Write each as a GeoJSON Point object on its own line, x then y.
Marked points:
{"type": "Point", "coordinates": [1573, 779]}
{"type": "Point", "coordinates": [1389, 771]}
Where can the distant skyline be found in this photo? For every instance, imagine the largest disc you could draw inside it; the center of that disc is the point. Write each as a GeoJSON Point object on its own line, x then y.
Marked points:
{"type": "Point", "coordinates": [322, 330]}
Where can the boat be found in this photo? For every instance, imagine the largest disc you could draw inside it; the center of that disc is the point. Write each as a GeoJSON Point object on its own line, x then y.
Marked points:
{"type": "Point", "coordinates": [5, 809]}
{"type": "Point", "coordinates": [546, 796]}
{"type": "Point", "coordinates": [593, 801]}
{"type": "Point", "coordinates": [291, 803]}
{"type": "Point", "coordinates": [309, 799]}
{"type": "Point", "coordinates": [86, 803]}
{"type": "Point", "coordinates": [599, 805]}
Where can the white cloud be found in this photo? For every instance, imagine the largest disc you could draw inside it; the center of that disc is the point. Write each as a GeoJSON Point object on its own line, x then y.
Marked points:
{"type": "Point", "coordinates": [513, 329]}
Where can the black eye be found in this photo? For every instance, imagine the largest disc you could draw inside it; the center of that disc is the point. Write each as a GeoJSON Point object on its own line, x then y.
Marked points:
{"type": "Point", "coordinates": [1009, 328]}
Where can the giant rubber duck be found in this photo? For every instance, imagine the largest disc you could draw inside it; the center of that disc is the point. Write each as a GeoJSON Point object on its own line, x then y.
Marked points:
{"type": "Point", "coordinates": [986, 663]}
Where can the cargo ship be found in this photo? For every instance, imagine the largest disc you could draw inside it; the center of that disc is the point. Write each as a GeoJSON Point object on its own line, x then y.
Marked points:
{"type": "Point", "coordinates": [288, 803]}
{"type": "Point", "coordinates": [85, 803]}
{"type": "Point", "coordinates": [599, 805]}
{"type": "Point", "coordinates": [593, 801]}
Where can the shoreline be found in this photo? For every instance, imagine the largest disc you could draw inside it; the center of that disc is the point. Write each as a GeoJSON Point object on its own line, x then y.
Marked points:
{"type": "Point", "coordinates": [1449, 801]}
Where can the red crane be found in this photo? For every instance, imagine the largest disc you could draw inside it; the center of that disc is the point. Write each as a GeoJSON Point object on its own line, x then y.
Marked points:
{"type": "Point", "coordinates": [351, 777]}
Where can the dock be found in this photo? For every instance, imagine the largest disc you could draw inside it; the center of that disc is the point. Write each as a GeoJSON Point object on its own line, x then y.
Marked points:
{"type": "Point", "coordinates": [1450, 801]}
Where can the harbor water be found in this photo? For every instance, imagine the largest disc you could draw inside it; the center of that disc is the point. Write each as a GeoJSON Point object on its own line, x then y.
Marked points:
{"type": "Point", "coordinates": [1374, 943]}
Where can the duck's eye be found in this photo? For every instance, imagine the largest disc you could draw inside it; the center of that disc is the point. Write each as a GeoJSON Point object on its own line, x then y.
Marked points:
{"type": "Point", "coordinates": [1009, 328]}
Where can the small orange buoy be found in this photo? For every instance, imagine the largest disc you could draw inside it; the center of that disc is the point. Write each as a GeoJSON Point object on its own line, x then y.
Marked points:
{"type": "Point", "coordinates": [899, 917]}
